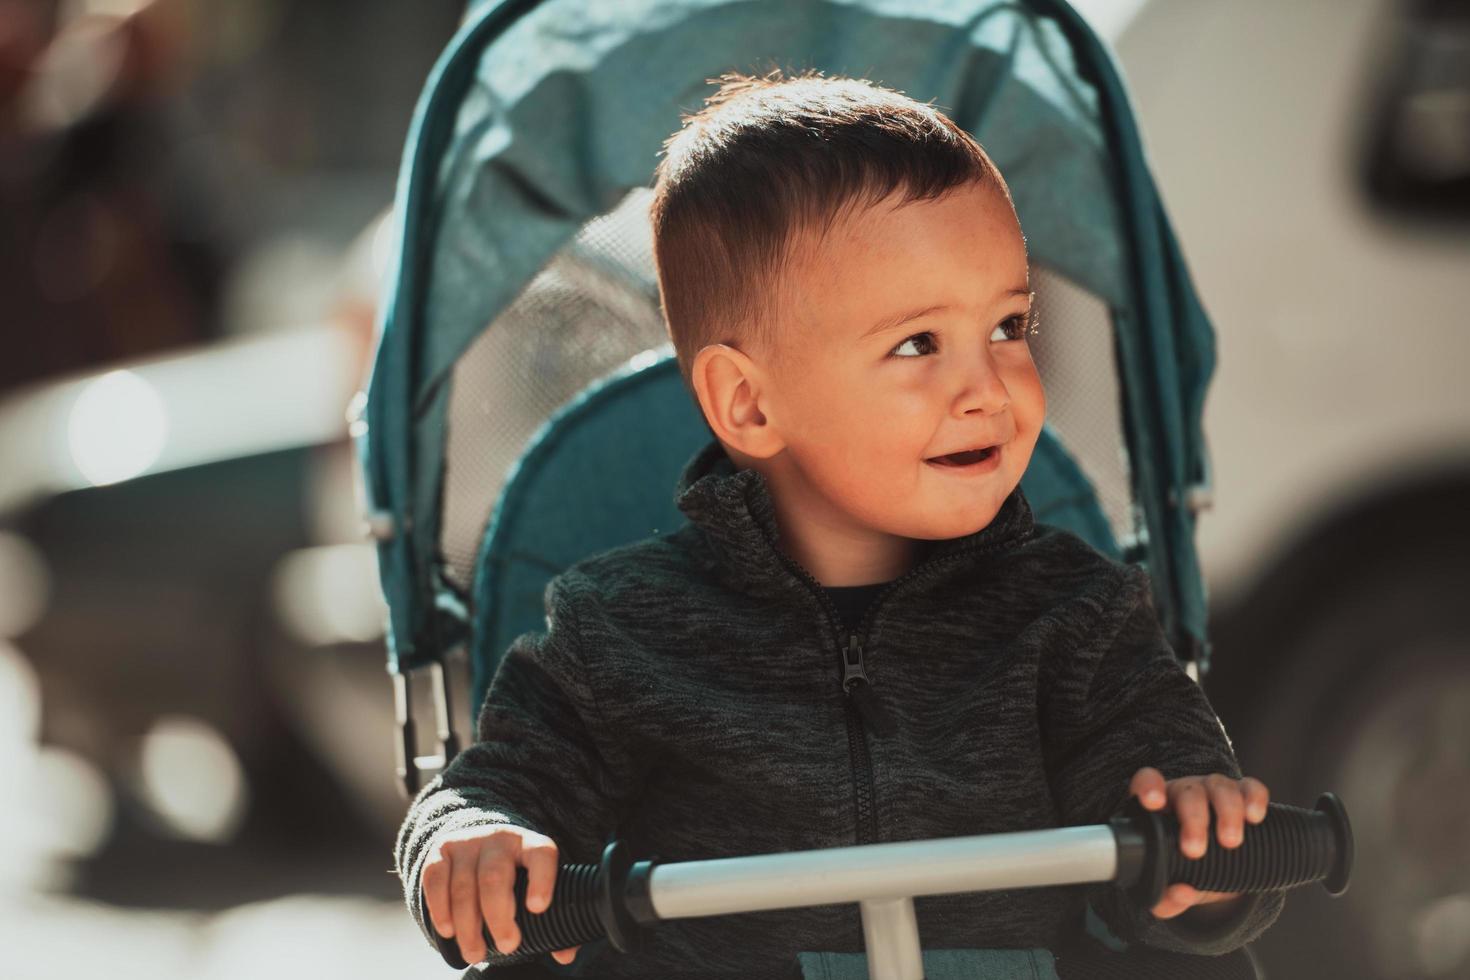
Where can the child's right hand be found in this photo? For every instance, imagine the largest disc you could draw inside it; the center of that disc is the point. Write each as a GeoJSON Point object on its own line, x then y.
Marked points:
{"type": "Point", "coordinates": [469, 879]}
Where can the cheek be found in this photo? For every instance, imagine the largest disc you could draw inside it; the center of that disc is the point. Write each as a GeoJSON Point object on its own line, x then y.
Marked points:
{"type": "Point", "coordinates": [1035, 411]}
{"type": "Point", "coordinates": [857, 416]}
{"type": "Point", "coordinates": [1028, 398]}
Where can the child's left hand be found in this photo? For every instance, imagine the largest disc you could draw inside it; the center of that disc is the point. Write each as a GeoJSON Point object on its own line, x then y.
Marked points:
{"type": "Point", "coordinates": [1190, 797]}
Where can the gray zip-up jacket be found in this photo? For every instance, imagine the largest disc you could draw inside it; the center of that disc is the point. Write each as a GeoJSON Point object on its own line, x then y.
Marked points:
{"type": "Point", "coordinates": [688, 696]}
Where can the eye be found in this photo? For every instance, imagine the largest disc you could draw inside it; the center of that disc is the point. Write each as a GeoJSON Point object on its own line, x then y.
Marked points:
{"type": "Point", "coordinates": [1017, 327]}
{"type": "Point", "coordinates": [928, 341]}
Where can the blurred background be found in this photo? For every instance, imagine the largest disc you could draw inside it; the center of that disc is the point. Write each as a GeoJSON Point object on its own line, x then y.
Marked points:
{"type": "Point", "coordinates": [196, 728]}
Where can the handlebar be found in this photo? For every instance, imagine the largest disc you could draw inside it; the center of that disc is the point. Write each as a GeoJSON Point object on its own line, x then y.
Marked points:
{"type": "Point", "coordinates": [1137, 850]}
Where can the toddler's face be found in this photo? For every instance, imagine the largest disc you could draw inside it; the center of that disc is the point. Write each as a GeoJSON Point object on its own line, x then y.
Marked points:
{"type": "Point", "coordinates": [864, 412]}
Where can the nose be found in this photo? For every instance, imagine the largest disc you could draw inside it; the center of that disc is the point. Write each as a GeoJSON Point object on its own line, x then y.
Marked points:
{"type": "Point", "coordinates": [980, 388]}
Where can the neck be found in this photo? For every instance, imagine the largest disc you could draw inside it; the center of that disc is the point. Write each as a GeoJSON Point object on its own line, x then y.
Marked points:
{"type": "Point", "coordinates": [828, 543]}
{"type": "Point", "coordinates": [733, 513]}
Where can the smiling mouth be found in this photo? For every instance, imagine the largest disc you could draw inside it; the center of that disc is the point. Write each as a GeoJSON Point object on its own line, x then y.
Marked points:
{"type": "Point", "coordinates": [965, 458]}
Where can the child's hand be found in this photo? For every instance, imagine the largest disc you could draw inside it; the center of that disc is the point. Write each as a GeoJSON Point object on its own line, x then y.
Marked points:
{"type": "Point", "coordinates": [469, 880]}
{"type": "Point", "coordinates": [1190, 797]}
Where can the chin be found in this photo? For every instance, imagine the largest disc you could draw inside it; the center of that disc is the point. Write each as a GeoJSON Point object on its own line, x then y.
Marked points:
{"type": "Point", "coordinates": [972, 521]}
{"type": "Point", "coordinates": [979, 516]}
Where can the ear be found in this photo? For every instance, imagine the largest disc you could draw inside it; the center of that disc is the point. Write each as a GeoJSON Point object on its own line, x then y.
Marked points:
{"type": "Point", "coordinates": [734, 394]}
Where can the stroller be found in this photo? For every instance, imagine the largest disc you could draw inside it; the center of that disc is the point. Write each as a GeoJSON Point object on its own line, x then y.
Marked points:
{"type": "Point", "coordinates": [525, 410]}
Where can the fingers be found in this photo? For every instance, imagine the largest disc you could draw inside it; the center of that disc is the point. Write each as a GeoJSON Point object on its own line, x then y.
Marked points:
{"type": "Point", "coordinates": [1233, 802]}
{"type": "Point", "coordinates": [540, 862]}
{"type": "Point", "coordinates": [1257, 796]}
{"type": "Point", "coordinates": [435, 885]}
{"type": "Point", "coordinates": [1176, 899]}
{"type": "Point", "coordinates": [1192, 807]}
{"type": "Point", "coordinates": [464, 908]}
{"type": "Point", "coordinates": [1180, 897]}
{"type": "Point", "coordinates": [1149, 786]}
{"type": "Point", "coordinates": [496, 874]}
{"type": "Point", "coordinates": [1229, 803]}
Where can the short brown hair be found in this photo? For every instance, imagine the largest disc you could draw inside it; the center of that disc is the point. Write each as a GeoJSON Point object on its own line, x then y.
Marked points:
{"type": "Point", "coordinates": [770, 157]}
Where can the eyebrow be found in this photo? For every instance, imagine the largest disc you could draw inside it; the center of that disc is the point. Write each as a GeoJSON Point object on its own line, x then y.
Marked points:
{"type": "Point", "coordinates": [899, 319]}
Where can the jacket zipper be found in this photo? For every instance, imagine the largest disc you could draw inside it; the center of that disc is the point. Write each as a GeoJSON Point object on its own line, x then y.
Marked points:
{"type": "Point", "coordinates": [857, 744]}
{"type": "Point", "coordinates": [861, 702]}
{"type": "Point", "coordinates": [857, 686]}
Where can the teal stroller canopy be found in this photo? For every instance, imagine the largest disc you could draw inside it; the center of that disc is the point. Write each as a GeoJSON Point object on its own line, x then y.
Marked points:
{"type": "Point", "coordinates": [524, 410]}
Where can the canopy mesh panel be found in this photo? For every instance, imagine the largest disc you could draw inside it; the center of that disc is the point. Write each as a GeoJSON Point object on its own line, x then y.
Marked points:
{"type": "Point", "coordinates": [592, 307]}
{"type": "Point", "coordinates": [1074, 355]}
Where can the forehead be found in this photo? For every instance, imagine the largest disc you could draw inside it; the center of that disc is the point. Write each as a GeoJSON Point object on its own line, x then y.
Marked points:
{"type": "Point", "coordinates": [964, 248]}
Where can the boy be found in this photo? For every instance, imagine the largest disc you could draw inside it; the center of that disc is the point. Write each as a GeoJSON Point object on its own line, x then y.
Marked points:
{"type": "Point", "coordinates": [862, 635]}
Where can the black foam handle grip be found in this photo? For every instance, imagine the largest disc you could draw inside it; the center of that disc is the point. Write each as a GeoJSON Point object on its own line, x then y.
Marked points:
{"type": "Point", "coordinates": [570, 920]}
{"type": "Point", "coordinates": [1292, 846]}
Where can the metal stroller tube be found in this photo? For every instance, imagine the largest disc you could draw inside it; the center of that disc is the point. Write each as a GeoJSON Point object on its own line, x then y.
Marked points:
{"type": "Point", "coordinates": [1137, 850]}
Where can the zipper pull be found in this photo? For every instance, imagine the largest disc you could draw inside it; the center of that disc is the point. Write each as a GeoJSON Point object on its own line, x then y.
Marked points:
{"type": "Point", "coordinates": [852, 665]}
{"type": "Point", "coordinates": [856, 685]}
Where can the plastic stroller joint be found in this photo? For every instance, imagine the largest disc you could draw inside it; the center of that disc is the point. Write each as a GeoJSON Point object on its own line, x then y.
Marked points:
{"type": "Point", "coordinates": [411, 766]}
{"type": "Point", "coordinates": [445, 633]}
{"type": "Point", "coordinates": [378, 525]}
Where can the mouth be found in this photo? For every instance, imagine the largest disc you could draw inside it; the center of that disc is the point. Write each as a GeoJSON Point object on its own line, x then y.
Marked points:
{"type": "Point", "coordinates": [968, 457]}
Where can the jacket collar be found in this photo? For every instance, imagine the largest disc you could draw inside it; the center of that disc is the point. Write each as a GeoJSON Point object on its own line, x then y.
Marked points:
{"type": "Point", "coordinates": [734, 509]}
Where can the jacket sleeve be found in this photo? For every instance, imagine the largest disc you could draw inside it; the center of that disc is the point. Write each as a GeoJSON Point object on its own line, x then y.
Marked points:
{"type": "Point", "coordinates": [1117, 699]}
{"type": "Point", "coordinates": [543, 758]}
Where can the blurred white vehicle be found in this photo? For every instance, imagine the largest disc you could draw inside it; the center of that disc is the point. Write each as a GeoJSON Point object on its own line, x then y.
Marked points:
{"type": "Point", "coordinates": [1315, 160]}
